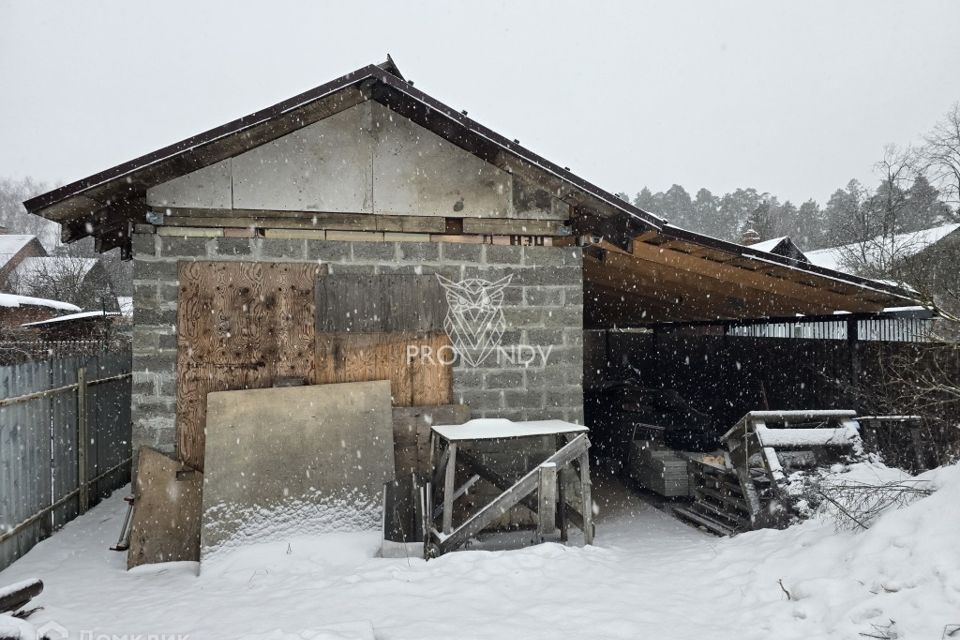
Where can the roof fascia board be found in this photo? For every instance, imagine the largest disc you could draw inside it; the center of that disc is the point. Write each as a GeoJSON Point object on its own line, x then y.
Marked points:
{"type": "Point", "coordinates": [677, 233]}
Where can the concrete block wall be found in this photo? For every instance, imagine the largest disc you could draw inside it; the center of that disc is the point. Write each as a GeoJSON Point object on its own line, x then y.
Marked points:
{"type": "Point", "coordinates": [543, 307]}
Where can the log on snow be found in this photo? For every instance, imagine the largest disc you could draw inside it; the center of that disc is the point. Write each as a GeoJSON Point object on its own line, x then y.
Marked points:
{"type": "Point", "coordinates": [16, 595]}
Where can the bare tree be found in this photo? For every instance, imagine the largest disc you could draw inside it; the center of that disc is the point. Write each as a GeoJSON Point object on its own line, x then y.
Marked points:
{"type": "Point", "coordinates": [875, 225]}
{"type": "Point", "coordinates": [942, 154]}
{"type": "Point", "coordinates": [80, 281]}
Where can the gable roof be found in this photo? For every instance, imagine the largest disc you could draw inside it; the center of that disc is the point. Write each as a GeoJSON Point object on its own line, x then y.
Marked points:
{"type": "Point", "coordinates": [782, 246]}
{"type": "Point", "coordinates": [103, 198]}
{"type": "Point", "coordinates": [12, 245]}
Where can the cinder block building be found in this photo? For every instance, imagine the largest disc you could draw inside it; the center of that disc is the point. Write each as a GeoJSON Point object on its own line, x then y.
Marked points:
{"type": "Point", "coordinates": [304, 243]}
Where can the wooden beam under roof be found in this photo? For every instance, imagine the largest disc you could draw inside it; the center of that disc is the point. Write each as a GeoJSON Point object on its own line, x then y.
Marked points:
{"type": "Point", "coordinates": [818, 295]}
{"type": "Point", "coordinates": [718, 296]}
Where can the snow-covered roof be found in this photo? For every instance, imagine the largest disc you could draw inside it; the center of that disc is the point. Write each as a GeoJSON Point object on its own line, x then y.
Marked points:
{"type": "Point", "coordinates": [72, 316]}
{"type": "Point", "coordinates": [902, 245]}
{"type": "Point", "coordinates": [13, 301]}
{"type": "Point", "coordinates": [768, 245]}
{"type": "Point", "coordinates": [498, 428]}
{"type": "Point", "coordinates": [29, 268]}
{"type": "Point", "coordinates": [11, 245]}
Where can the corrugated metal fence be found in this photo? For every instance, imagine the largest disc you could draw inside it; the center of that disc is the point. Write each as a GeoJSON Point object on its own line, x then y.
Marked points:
{"type": "Point", "coordinates": [883, 329]}
{"type": "Point", "coordinates": [64, 443]}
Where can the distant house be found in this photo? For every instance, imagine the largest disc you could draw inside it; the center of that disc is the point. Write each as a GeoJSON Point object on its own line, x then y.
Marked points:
{"type": "Point", "coordinates": [885, 254]}
{"type": "Point", "coordinates": [782, 246]}
{"type": "Point", "coordinates": [927, 260]}
{"type": "Point", "coordinates": [13, 250]}
{"type": "Point", "coordinates": [66, 278]}
{"type": "Point", "coordinates": [16, 310]}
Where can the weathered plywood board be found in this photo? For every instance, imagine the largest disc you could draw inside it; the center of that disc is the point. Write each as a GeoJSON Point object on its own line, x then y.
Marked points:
{"type": "Point", "coordinates": [194, 382]}
{"type": "Point", "coordinates": [358, 357]}
{"type": "Point", "coordinates": [166, 514]}
{"type": "Point", "coordinates": [240, 325]}
{"type": "Point", "coordinates": [295, 460]}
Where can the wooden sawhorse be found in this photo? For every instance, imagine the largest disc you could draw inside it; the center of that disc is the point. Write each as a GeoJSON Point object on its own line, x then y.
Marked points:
{"type": "Point", "coordinates": [541, 490]}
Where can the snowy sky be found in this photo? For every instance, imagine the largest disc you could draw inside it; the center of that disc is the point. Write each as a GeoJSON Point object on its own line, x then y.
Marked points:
{"type": "Point", "coordinates": [793, 98]}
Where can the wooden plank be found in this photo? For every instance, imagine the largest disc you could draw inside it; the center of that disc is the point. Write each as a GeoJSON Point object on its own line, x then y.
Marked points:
{"type": "Point", "coordinates": [586, 498]}
{"type": "Point", "coordinates": [513, 226]}
{"type": "Point", "coordinates": [449, 486]}
{"type": "Point", "coordinates": [239, 326]}
{"type": "Point", "coordinates": [289, 294]}
{"type": "Point", "coordinates": [83, 439]}
{"type": "Point", "coordinates": [547, 500]}
{"type": "Point", "coordinates": [380, 304]}
{"type": "Point", "coordinates": [166, 514]}
{"type": "Point", "coordinates": [815, 298]}
{"type": "Point", "coordinates": [262, 218]}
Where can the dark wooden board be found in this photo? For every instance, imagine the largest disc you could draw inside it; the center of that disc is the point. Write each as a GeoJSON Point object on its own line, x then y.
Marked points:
{"type": "Point", "coordinates": [380, 304]}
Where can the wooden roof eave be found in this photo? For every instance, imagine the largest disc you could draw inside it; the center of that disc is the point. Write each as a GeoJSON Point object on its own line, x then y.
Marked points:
{"type": "Point", "coordinates": [728, 284]}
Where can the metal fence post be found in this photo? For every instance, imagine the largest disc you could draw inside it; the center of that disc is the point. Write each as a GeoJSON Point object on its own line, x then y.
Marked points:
{"type": "Point", "coordinates": [83, 440]}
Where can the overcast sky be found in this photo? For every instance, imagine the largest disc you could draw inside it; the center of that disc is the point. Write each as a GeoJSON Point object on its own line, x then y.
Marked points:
{"type": "Point", "coordinates": [791, 98]}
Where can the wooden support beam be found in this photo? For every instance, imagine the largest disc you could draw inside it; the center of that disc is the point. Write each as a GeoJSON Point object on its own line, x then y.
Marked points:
{"type": "Point", "coordinates": [586, 498]}
{"type": "Point", "coordinates": [449, 486]}
{"type": "Point", "coordinates": [812, 299]}
{"type": "Point", "coordinates": [271, 219]}
{"type": "Point", "coordinates": [735, 293]}
{"type": "Point", "coordinates": [547, 500]}
{"type": "Point", "coordinates": [769, 278]}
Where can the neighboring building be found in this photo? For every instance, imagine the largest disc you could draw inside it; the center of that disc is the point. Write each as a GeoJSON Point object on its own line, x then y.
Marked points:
{"type": "Point", "coordinates": [16, 310]}
{"type": "Point", "coordinates": [82, 280]}
{"type": "Point", "coordinates": [304, 241]}
{"type": "Point", "coordinates": [85, 325]}
{"type": "Point", "coordinates": [885, 254]}
{"type": "Point", "coordinates": [782, 246]}
{"type": "Point", "coordinates": [927, 261]}
{"type": "Point", "coordinates": [14, 249]}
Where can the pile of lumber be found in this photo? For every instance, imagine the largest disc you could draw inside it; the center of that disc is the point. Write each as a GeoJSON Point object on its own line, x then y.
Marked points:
{"type": "Point", "coordinates": [659, 469]}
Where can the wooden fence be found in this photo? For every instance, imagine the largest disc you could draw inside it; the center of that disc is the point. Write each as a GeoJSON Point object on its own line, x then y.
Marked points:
{"type": "Point", "coordinates": [64, 443]}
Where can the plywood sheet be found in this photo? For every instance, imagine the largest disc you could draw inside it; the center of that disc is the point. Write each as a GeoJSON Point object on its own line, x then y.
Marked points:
{"type": "Point", "coordinates": [415, 380]}
{"type": "Point", "coordinates": [296, 460]}
{"type": "Point", "coordinates": [166, 515]}
{"type": "Point", "coordinates": [240, 325]}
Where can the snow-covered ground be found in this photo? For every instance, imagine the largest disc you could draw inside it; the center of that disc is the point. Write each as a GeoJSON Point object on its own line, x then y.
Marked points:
{"type": "Point", "coordinates": [649, 576]}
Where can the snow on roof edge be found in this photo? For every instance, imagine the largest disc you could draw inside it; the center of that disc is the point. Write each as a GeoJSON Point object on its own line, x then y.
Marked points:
{"type": "Point", "coordinates": [14, 301]}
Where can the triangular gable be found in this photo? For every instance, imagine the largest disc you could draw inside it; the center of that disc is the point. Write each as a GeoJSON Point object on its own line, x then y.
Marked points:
{"type": "Point", "coordinates": [105, 203]}
{"type": "Point", "coordinates": [365, 159]}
